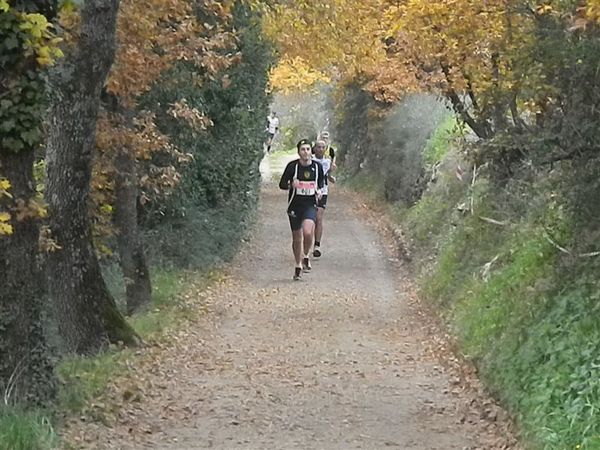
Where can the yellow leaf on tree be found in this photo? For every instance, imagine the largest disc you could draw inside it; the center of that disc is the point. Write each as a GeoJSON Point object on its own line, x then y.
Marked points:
{"type": "Point", "coordinates": [4, 185]}
{"type": "Point", "coordinates": [5, 228]}
{"type": "Point", "coordinates": [295, 74]}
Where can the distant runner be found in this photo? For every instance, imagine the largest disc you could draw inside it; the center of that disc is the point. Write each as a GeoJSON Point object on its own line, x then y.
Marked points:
{"type": "Point", "coordinates": [329, 150]}
{"type": "Point", "coordinates": [272, 129]}
{"type": "Point", "coordinates": [304, 180]}
{"type": "Point", "coordinates": [328, 167]}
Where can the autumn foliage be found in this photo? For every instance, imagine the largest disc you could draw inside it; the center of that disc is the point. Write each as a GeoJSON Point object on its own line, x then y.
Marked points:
{"type": "Point", "coordinates": [153, 36]}
{"type": "Point", "coordinates": [481, 57]}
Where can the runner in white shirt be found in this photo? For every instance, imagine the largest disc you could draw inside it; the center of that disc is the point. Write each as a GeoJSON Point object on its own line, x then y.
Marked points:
{"type": "Point", "coordinates": [272, 129]}
{"type": "Point", "coordinates": [328, 168]}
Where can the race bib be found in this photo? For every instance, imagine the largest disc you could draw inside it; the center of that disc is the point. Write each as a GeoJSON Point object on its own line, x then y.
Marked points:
{"type": "Point", "coordinates": [307, 188]}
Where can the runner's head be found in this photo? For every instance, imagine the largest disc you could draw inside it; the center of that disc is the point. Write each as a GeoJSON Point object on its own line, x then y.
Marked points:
{"type": "Point", "coordinates": [325, 137]}
{"type": "Point", "coordinates": [304, 150]}
{"type": "Point", "coordinates": [319, 148]}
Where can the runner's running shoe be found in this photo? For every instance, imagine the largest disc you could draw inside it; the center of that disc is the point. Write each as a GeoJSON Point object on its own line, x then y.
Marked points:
{"type": "Point", "coordinates": [306, 265]}
{"type": "Point", "coordinates": [298, 274]}
{"type": "Point", "coordinates": [317, 252]}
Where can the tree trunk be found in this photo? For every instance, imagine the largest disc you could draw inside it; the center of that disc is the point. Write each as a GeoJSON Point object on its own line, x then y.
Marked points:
{"type": "Point", "coordinates": [26, 374]}
{"type": "Point", "coordinates": [88, 316]}
{"type": "Point", "coordinates": [131, 252]}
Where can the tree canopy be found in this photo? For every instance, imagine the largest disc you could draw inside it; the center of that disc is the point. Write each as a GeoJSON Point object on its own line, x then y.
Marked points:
{"type": "Point", "coordinates": [498, 63]}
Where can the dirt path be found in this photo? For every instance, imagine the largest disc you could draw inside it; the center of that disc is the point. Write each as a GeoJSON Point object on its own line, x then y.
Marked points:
{"type": "Point", "coordinates": [338, 361]}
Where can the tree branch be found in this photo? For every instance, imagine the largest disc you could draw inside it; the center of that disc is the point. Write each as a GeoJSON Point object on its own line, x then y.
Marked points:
{"type": "Point", "coordinates": [480, 129]}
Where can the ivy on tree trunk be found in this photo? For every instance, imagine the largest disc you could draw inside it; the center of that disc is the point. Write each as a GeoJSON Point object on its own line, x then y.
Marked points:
{"type": "Point", "coordinates": [26, 372]}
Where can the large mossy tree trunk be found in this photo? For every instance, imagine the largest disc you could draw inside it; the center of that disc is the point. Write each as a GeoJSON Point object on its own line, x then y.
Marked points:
{"type": "Point", "coordinates": [26, 374]}
{"type": "Point", "coordinates": [138, 288]}
{"type": "Point", "coordinates": [87, 313]}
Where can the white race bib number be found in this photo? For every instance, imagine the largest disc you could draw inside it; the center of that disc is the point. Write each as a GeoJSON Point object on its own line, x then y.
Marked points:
{"type": "Point", "coordinates": [307, 188]}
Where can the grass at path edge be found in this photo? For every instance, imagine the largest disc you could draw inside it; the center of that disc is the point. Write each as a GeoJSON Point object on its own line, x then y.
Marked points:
{"type": "Point", "coordinates": [84, 379]}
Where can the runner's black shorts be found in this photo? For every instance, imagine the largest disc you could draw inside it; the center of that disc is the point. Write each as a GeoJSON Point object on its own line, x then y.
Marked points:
{"type": "Point", "coordinates": [300, 213]}
{"type": "Point", "coordinates": [322, 203]}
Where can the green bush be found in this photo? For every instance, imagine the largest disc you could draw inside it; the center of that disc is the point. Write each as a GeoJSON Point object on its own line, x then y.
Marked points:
{"type": "Point", "coordinates": [435, 213]}
{"type": "Point", "coordinates": [206, 217]}
{"type": "Point", "coordinates": [202, 239]}
{"type": "Point", "coordinates": [487, 309]}
{"type": "Point", "coordinates": [437, 145]}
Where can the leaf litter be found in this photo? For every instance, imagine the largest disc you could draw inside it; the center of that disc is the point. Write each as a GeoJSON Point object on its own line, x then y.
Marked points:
{"type": "Point", "coordinates": [348, 359]}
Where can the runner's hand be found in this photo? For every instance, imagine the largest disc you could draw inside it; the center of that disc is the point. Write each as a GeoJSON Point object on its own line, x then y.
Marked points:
{"type": "Point", "coordinates": [319, 194]}
{"type": "Point", "coordinates": [295, 183]}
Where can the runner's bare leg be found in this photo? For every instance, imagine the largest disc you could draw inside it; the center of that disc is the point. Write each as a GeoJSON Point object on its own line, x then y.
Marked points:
{"type": "Point", "coordinates": [297, 246]}
{"type": "Point", "coordinates": [308, 230]}
{"type": "Point", "coordinates": [319, 224]}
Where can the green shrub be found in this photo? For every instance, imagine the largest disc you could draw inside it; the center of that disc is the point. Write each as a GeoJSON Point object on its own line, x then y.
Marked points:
{"type": "Point", "coordinates": [437, 146]}
{"type": "Point", "coordinates": [202, 239]}
{"type": "Point", "coordinates": [435, 213]}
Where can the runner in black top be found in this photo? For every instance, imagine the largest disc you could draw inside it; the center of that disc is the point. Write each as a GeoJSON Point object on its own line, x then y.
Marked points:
{"type": "Point", "coordinates": [304, 180]}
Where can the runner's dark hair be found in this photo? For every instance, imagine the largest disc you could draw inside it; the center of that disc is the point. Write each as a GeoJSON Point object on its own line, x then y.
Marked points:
{"type": "Point", "coordinates": [302, 142]}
